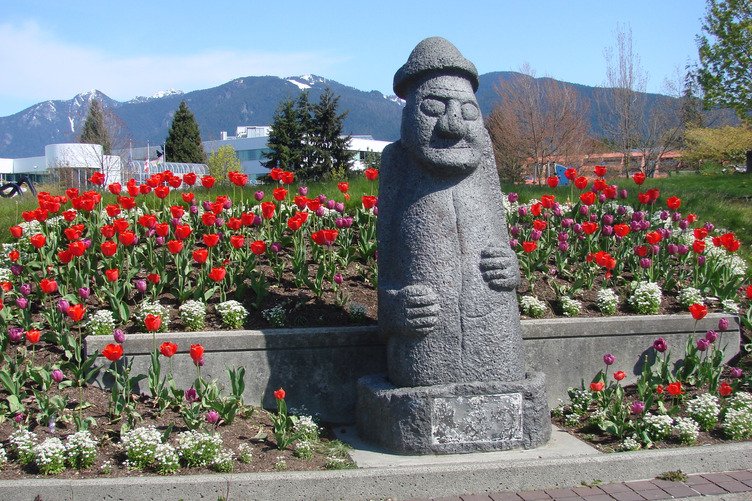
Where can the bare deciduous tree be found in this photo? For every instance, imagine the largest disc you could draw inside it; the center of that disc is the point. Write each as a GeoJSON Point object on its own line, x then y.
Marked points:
{"type": "Point", "coordinates": [538, 120]}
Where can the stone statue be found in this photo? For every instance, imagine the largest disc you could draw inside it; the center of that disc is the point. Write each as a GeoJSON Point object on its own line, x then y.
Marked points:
{"type": "Point", "coordinates": [456, 377]}
{"type": "Point", "coordinates": [447, 275]}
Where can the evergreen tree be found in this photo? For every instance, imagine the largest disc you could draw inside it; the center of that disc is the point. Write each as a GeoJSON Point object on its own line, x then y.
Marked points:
{"type": "Point", "coordinates": [330, 155]}
{"type": "Point", "coordinates": [691, 117]}
{"type": "Point", "coordinates": [94, 130]}
{"type": "Point", "coordinates": [184, 138]}
{"type": "Point", "coordinates": [304, 110]}
{"type": "Point", "coordinates": [285, 138]}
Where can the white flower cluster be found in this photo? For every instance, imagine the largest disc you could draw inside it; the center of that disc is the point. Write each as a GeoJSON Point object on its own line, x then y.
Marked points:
{"type": "Point", "coordinates": [81, 449]}
{"type": "Point", "coordinates": [306, 428]}
{"type": "Point", "coordinates": [570, 307]}
{"type": "Point", "coordinates": [730, 306]}
{"type": "Point", "coordinates": [22, 442]}
{"type": "Point", "coordinates": [303, 449]}
{"type": "Point", "coordinates": [277, 316]}
{"type": "Point", "coordinates": [224, 461]}
{"type": "Point", "coordinates": [233, 313]}
{"type": "Point", "coordinates": [598, 417]}
{"type": "Point", "coordinates": [140, 445]}
{"type": "Point", "coordinates": [154, 308]}
{"type": "Point", "coordinates": [731, 263]}
{"type": "Point", "coordinates": [704, 409]}
{"type": "Point", "coordinates": [49, 456]}
{"type": "Point", "coordinates": [607, 300]}
{"type": "Point", "coordinates": [101, 323]}
{"type": "Point", "coordinates": [193, 314]}
{"type": "Point", "coordinates": [3, 457]}
{"type": "Point", "coordinates": [579, 399]}
{"type": "Point", "coordinates": [646, 298]}
{"type": "Point", "coordinates": [245, 453]}
{"type": "Point", "coordinates": [532, 306]}
{"type": "Point", "coordinates": [688, 429]}
{"type": "Point", "coordinates": [335, 463]}
{"type": "Point", "coordinates": [166, 459]}
{"type": "Point", "coordinates": [197, 448]}
{"type": "Point", "coordinates": [5, 274]}
{"type": "Point", "coordinates": [737, 423]}
{"type": "Point", "coordinates": [659, 425]}
{"type": "Point", "coordinates": [689, 296]}
{"type": "Point", "coordinates": [630, 444]}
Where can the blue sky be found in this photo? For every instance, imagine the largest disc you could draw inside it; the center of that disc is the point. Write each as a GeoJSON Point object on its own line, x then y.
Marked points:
{"type": "Point", "coordinates": [54, 50]}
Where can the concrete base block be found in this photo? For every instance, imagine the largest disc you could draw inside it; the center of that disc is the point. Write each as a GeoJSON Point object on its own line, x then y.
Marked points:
{"type": "Point", "coordinates": [454, 418]}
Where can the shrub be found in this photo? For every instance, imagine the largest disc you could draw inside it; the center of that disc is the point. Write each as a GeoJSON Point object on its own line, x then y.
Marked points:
{"type": "Point", "coordinates": [22, 442]}
{"type": "Point", "coordinates": [166, 459]}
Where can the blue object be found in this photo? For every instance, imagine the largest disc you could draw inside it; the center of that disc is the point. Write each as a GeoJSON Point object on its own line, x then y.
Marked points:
{"type": "Point", "coordinates": [563, 181]}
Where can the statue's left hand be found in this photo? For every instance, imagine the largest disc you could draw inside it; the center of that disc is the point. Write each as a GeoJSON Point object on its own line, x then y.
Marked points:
{"type": "Point", "coordinates": [499, 267]}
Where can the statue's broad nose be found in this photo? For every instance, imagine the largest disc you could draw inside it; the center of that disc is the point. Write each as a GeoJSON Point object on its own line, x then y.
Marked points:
{"type": "Point", "coordinates": [451, 123]}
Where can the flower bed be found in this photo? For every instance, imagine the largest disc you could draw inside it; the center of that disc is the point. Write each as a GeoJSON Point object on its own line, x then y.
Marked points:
{"type": "Point", "coordinates": [156, 258]}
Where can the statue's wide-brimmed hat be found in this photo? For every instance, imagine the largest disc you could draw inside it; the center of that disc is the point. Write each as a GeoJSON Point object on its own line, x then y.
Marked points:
{"type": "Point", "coordinates": [433, 54]}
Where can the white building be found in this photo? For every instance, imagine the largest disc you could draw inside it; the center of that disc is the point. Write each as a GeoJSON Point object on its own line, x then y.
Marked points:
{"type": "Point", "coordinates": [73, 162]}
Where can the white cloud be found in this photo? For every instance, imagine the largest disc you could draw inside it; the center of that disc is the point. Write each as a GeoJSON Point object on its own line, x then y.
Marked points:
{"type": "Point", "coordinates": [38, 66]}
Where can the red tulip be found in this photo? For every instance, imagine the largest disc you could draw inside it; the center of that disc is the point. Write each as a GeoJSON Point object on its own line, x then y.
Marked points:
{"type": "Point", "coordinates": [16, 231]}
{"type": "Point", "coordinates": [368, 201]}
{"type": "Point", "coordinates": [197, 353]}
{"type": "Point", "coordinates": [237, 241]}
{"type": "Point", "coordinates": [33, 336]}
{"type": "Point", "coordinates": [600, 170]}
{"type": "Point", "coordinates": [217, 274]}
{"type": "Point", "coordinates": [325, 237]}
{"type": "Point", "coordinates": [588, 198]}
{"type": "Point", "coordinates": [112, 352]}
{"type": "Point", "coordinates": [126, 238]}
{"type": "Point", "coordinates": [279, 394]}
{"type": "Point", "coordinates": [638, 178]}
{"type": "Point", "coordinates": [698, 311]}
{"type": "Point", "coordinates": [674, 389]}
{"type": "Point", "coordinates": [619, 375]}
{"type": "Point", "coordinates": [168, 349]}
{"type": "Point", "coordinates": [153, 278]}
{"type": "Point", "coordinates": [287, 177]}
{"type": "Point", "coordinates": [597, 386]}
{"type": "Point", "coordinates": [14, 255]}
{"type": "Point", "coordinates": [552, 181]}
{"type": "Point", "coordinates": [162, 191]}
{"type": "Point", "coordinates": [258, 247]}
{"type": "Point", "coordinates": [175, 246]}
{"type": "Point", "coordinates": [189, 178]}
{"type": "Point", "coordinates": [267, 209]}
{"type": "Point", "coordinates": [183, 231]}
{"type": "Point", "coordinates": [200, 255]}
{"type": "Point", "coordinates": [529, 246]}
{"type": "Point", "coordinates": [581, 183]}
{"type": "Point", "coordinates": [76, 312]}
{"type": "Point", "coordinates": [47, 285]}
{"type": "Point", "coordinates": [673, 203]}
{"type": "Point", "coordinates": [38, 240]}
{"type": "Point", "coordinates": [97, 178]}
{"type": "Point", "coordinates": [211, 239]}
{"type": "Point", "coordinates": [279, 194]}
{"type": "Point", "coordinates": [207, 181]}
{"type": "Point", "coordinates": [108, 248]}
{"type": "Point", "coordinates": [152, 322]}
{"type": "Point", "coordinates": [371, 174]}
{"type": "Point", "coordinates": [112, 274]}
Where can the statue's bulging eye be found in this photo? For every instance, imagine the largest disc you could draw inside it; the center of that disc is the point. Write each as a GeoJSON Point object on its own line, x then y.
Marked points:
{"type": "Point", "coordinates": [432, 107]}
{"type": "Point", "coordinates": [470, 111]}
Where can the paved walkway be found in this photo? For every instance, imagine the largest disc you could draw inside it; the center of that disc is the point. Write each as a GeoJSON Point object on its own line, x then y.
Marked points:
{"type": "Point", "coordinates": [730, 485]}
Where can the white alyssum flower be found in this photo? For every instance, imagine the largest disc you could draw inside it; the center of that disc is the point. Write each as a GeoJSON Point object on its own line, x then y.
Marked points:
{"type": "Point", "coordinates": [571, 307]}
{"type": "Point", "coordinates": [277, 316]}
{"type": "Point", "coordinates": [741, 401]}
{"type": "Point", "coordinates": [197, 448]}
{"type": "Point", "coordinates": [704, 409]}
{"type": "Point", "coordinates": [166, 459]}
{"type": "Point", "coordinates": [646, 298]}
{"type": "Point", "coordinates": [607, 301]}
{"type": "Point", "coordinates": [689, 296]}
{"type": "Point", "coordinates": [245, 453]}
{"type": "Point", "coordinates": [232, 313]}
{"type": "Point", "coordinates": [193, 314]}
{"type": "Point", "coordinates": [630, 444]}
{"type": "Point", "coordinates": [532, 306]}
{"type": "Point", "coordinates": [49, 456]}
{"type": "Point", "coordinates": [22, 442]}
{"type": "Point", "coordinates": [81, 449]}
{"type": "Point", "coordinates": [3, 457]}
{"type": "Point", "coordinates": [730, 306]}
{"type": "Point", "coordinates": [659, 426]}
{"type": "Point", "coordinates": [306, 427]}
{"type": "Point", "coordinates": [224, 461]}
{"type": "Point", "coordinates": [688, 429]}
{"type": "Point", "coordinates": [101, 323]}
{"type": "Point", "coordinates": [737, 424]}
{"type": "Point", "coordinates": [140, 445]}
{"type": "Point", "coordinates": [303, 449]}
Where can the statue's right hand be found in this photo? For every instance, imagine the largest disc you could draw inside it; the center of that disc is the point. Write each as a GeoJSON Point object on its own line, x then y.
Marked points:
{"type": "Point", "coordinates": [421, 307]}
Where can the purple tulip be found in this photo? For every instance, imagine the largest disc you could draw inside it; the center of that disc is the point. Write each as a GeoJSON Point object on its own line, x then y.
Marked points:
{"type": "Point", "coordinates": [608, 219]}
{"type": "Point", "coordinates": [63, 306]}
{"type": "Point", "coordinates": [376, 210]}
{"type": "Point", "coordinates": [703, 344]}
{"type": "Point", "coordinates": [193, 209]}
{"type": "Point", "coordinates": [322, 198]}
{"type": "Point", "coordinates": [563, 246]}
{"type": "Point", "coordinates": [18, 418]}
{"type": "Point", "coordinates": [683, 249]}
{"type": "Point", "coordinates": [723, 324]}
{"type": "Point", "coordinates": [672, 249]}
{"type": "Point", "coordinates": [607, 230]}
{"type": "Point", "coordinates": [160, 241]}
{"type": "Point", "coordinates": [701, 260]}
{"type": "Point", "coordinates": [339, 222]}
{"type": "Point", "coordinates": [57, 375]}
{"type": "Point", "coordinates": [557, 210]}
{"type": "Point", "coordinates": [22, 303]}
{"type": "Point", "coordinates": [644, 225]}
{"type": "Point", "coordinates": [227, 204]}
{"type": "Point", "coordinates": [635, 226]}
{"type": "Point", "coordinates": [637, 215]}
{"type": "Point", "coordinates": [584, 211]}
{"type": "Point", "coordinates": [256, 220]}
{"type": "Point", "coordinates": [623, 193]}
{"type": "Point", "coordinates": [709, 226]}
{"type": "Point", "coordinates": [212, 417]}
{"type": "Point", "coordinates": [303, 190]}
{"type": "Point", "coordinates": [660, 345]}
{"type": "Point", "coordinates": [140, 285]}
{"type": "Point", "coordinates": [514, 243]}
{"type": "Point", "coordinates": [676, 216]}
{"type": "Point", "coordinates": [637, 407]}
{"type": "Point", "coordinates": [735, 372]}
{"type": "Point", "coordinates": [601, 197]}
{"type": "Point", "coordinates": [339, 207]}
{"type": "Point", "coordinates": [330, 204]}
{"type": "Point", "coordinates": [220, 222]}
{"type": "Point", "coordinates": [577, 228]}
{"type": "Point", "coordinates": [190, 395]}
{"type": "Point", "coordinates": [513, 197]}
{"type": "Point", "coordinates": [175, 221]}
{"type": "Point", "coordinates": [593, 218]}
{"type": "Point", "coordinates": [621, 210]}
{"type": "Point", "coordinates": [535, 235]}
{"type": "Point", "coordinates": [15, 334]}
{"type": "Point", "coordinates": [84, 293]}
{"type": "Point", "coordinates": [609, 359]}
{"type": "Point", "coordinates": [16, 269]}
{"type": "Point", "coordinates": [320, 211]}
{"type": "Point", "coordinates": [711, 336]}
{"type": "Point", "coordinates": [562, 236]}
{"type": "Point", "coordinates": [119, 336]}
{"type": "Point", "coordinates": [567, 222]}
{"type": "Point", "coordinates": [150, 233]}
{"type": "Point", "coordinates": [655, 249]}
{"type": "Point", "coordinates": [522, 211]}
{"type": "Point", "coordinates": [338, 278]}
{"type": "Point", "coordinates": [664, 215]}
{"type": "Point", "coordinates": [276, 247]}
{"type": "Point", "coordinates": [25, 289]}
{"type": "Point", "coordinates": [206, 205]}
{"type": "Point", "coordinates": [645, 263]}
{"type": "Point", "coordinates": [683, 224]}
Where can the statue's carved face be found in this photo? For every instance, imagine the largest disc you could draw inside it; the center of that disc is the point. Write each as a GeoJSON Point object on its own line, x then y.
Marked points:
{"type": "Point", "coordinates": [442, 127]}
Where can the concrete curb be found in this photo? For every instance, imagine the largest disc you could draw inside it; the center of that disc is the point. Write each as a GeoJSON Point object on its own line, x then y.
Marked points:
{"type": "Point", "coordinates": [401, 482]}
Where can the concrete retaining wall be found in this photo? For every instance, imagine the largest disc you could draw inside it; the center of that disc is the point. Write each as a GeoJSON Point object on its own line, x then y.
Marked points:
{"type": "Point", "coordinates": [319, 367]}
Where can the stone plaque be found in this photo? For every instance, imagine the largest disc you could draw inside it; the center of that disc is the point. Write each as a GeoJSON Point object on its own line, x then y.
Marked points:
{"type": "Point", "coordinates": [477, 419]}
